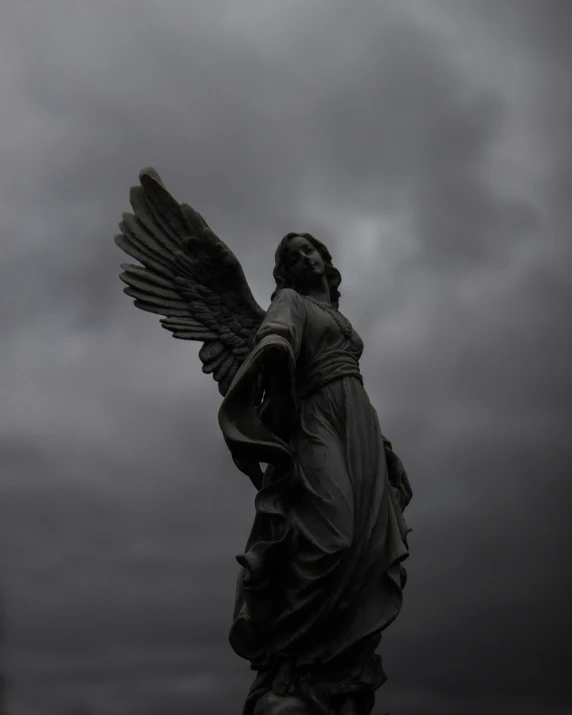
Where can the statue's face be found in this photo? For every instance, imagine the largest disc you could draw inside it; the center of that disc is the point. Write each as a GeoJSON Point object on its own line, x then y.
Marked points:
{"type": "Point", "coordinates": [304, 262]}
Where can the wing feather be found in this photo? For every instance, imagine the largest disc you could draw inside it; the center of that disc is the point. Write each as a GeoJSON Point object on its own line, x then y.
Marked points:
{"type": "Point", "coordinates": [193, 335]}
{"type": "Point", "coordinates": [145, 275]}
{"type": "Point", "coordinates": [140, 285]}
{"type": "Point", "coordinates": [188, 275]}
{"type": "Point", "coordinates": [151, 221]}
{"type": "Point", "coordinates": [160, 310]}
{"type": "Point", "coordinates": [135, 250]}
{"type": "Point", "coordinates": [211, 351]}
{"type": "Point", "coordinates": [156, 300]}
{"type": "Point", "coordinates": [137, 232]}
{"type": "Point", "coordinates": [224, 367]}
{"type": "Point", "coordinates": [166, 212]}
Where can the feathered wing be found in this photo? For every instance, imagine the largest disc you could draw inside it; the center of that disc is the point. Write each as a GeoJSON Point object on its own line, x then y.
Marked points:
{"type": "Point", "coordinates": [188, 275]}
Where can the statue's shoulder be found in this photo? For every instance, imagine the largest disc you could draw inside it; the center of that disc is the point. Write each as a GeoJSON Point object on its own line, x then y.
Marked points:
{"type": "Point", "coordinates": [287, 295]}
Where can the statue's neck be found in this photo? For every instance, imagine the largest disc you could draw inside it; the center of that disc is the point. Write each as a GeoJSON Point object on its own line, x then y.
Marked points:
{"type": "Point", "coordinates": [319, 296]}
{"type": "Point", "coordinates": [320, 291]}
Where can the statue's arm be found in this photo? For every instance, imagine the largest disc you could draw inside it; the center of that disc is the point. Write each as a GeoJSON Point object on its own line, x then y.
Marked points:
{"type": "Point", "coordinates": [260, 409]}
{"type": "Point", "coordinates": [285, 318]}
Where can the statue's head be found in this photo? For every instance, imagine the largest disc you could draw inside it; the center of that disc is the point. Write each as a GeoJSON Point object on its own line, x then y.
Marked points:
{"type": "Point", "coordinates": [300, 258]}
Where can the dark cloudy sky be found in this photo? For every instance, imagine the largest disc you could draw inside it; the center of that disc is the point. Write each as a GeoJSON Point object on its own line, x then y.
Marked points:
{"type": "Point", "coordinates": [428, 143]}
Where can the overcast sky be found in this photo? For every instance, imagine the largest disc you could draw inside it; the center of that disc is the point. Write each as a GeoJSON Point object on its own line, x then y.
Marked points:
{"type": "Point", "coordinates": [428, 144]}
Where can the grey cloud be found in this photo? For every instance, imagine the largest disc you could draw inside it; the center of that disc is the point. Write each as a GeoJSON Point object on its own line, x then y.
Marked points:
{"type": "Point", "coordinates": [428, 144]}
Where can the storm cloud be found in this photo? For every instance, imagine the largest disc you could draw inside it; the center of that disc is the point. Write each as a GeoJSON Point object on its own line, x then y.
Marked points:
{"type": "Point", "coordinates": [427, 143]}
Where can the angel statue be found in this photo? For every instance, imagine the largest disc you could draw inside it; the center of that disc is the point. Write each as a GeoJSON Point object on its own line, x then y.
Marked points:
{"type": "Point", "coordinates": [321, 576]}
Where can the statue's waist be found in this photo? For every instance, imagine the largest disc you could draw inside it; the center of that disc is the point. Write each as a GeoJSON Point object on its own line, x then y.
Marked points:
{"type": "Point", "coordinates": [318, 373]}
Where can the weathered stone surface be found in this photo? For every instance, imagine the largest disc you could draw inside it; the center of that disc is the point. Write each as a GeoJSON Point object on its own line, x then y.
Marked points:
{"type": "Point", "coordinates": [322, 572]}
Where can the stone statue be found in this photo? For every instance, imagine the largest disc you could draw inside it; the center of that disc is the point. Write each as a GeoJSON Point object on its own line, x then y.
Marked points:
{"type": "Point", "coordinates": [321, 576]}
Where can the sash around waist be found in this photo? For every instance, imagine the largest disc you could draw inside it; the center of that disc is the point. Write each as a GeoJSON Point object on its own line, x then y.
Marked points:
{"type": "Point", "coordinates": [333, 365]}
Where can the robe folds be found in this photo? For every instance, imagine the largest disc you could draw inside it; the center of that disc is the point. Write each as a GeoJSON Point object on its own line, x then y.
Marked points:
{"type": "Point", "coordinates": [321, 575]}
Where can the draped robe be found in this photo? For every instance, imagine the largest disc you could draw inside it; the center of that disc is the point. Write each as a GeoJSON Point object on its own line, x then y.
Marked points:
{"type": "Point", "coordinates": [322, 572]}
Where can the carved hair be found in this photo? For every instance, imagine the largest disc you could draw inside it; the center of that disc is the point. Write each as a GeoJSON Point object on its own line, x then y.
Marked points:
{"type": "Point", "coordinates": [283, 277]}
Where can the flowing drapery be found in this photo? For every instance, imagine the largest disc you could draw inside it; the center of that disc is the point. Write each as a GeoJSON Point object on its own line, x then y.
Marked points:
{"type": "Point", "coordinates": [322, 572]}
